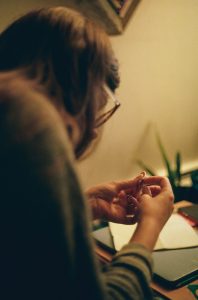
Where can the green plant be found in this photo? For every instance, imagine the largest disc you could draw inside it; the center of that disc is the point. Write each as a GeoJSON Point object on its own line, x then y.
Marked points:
{"type": "Point", "coordinates": [181, 192]}
{"type": "Point", "coordinates": [194, 179]}
{"type": "Point", "coordinates": [173, 172]}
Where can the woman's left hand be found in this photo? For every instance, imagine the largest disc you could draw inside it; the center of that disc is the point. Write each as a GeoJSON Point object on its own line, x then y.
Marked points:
{"type": "Point", "coordinates": [116, 201]}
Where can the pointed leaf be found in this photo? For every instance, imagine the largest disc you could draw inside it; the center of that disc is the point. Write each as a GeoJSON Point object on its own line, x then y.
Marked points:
{"type": "Point", "coordinates": [178, 167]}
{"type": "Point", "coordinates": [166, 160]}
{"type": "Point", "coordinates": [145, 168]}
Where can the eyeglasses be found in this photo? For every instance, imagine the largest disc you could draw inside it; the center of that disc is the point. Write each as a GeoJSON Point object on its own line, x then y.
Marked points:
{"type": "Point", "coordinates": [106, 115]}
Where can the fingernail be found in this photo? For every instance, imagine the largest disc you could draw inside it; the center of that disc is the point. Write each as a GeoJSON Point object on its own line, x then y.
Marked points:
{"type": "Point", "coordinates": [140, 182]}
{"type": "Point", "coordinates": [143, 173]}
{"type": "Point", "coordinates": [115, 200]}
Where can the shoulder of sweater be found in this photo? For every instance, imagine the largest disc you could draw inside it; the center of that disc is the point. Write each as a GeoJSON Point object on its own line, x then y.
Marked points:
{"type": "Point", "coordinates": [26, 108]}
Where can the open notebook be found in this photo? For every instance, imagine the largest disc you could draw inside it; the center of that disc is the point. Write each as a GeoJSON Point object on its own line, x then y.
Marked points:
{"type": "Point", "coordinates": [176, 234]}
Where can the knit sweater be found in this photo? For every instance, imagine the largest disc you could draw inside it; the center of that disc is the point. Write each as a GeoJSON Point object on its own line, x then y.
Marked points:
{"type": "Point", "coordinates": [47, 250]}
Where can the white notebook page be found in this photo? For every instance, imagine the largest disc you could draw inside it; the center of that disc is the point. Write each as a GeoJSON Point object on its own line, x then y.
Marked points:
{"type": "Point", "coordinates": [177, 233]}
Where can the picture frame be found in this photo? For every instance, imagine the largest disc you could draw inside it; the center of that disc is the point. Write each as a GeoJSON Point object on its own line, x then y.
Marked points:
{"type": "Point", "coordinates": [112, 15]}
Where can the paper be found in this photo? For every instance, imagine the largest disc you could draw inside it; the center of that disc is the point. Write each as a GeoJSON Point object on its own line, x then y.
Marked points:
{"type": "Point", "coordinates": [177, 233]}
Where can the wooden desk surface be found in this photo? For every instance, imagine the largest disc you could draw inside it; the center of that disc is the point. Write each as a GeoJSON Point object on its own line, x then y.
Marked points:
{"type": "Point", "coordinates": [182, 293]}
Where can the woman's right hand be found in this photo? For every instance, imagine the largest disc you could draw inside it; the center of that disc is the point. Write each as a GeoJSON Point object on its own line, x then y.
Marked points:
{"type": "Point", "coordinates": [157, 199]}
{"type": "Point", "coordinates": [155, 206]}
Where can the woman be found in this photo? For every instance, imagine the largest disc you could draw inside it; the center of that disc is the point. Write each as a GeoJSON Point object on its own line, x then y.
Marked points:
{"type": "Point", "coordinates": [57, 72]}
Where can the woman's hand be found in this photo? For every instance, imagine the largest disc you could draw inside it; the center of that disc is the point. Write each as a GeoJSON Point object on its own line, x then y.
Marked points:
{"type": "Point", "coordinates": [155, 208]}
{"type": "Point", "coordinates": [116, 201]}
{"type": "Point", "coordinates": [156, 201]}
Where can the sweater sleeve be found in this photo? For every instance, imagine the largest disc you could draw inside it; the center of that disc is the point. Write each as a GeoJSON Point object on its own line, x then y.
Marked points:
{"type": "Point", "coordinates": [129, 274]}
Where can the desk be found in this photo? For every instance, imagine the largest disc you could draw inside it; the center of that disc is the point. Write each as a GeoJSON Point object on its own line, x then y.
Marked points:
{"type": "Point", "coordinates": [182, 293]}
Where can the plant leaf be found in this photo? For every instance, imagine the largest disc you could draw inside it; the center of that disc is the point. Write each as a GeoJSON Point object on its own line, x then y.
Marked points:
{"type": "Point", "coordinates": [145, 168]}
{"type": "Point", "coordinates": [178, 167]}
{"type": "Point", "coordinates": [170, 172]}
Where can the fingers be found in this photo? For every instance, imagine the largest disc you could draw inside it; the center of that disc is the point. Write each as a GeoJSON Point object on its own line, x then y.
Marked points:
{"type": "Point", "coordinates": [132, 211]}
{"type": "Point", "coordinates": [155, 190]}
{"type": "Point", "coordinates": [132, 215]}
{"type": "Point", "coordinates": [146, 190]}
{"type": "Point", "coordinates": [163, 182]}
{"type": "Point", "coordinates": [156, 184]}
{"type": "Point", "coordinates": [129, 207]}
{"type": "Point", "coordinates": [129, 184]}
{"type": "Point", "coordinates": [164, 185]}
{"type": "Point", "coordinates": [125, 200]}
{"type": "Point", "coordinates": [133, 206]}
{"type": "Point", "coordinates": [121, 199]}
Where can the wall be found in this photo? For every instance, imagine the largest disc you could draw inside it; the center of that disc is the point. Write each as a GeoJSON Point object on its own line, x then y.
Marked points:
{"type": "Point", "coordinates": [158, 55]}
{"type": "Point", "coordinates": [159, 70]}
